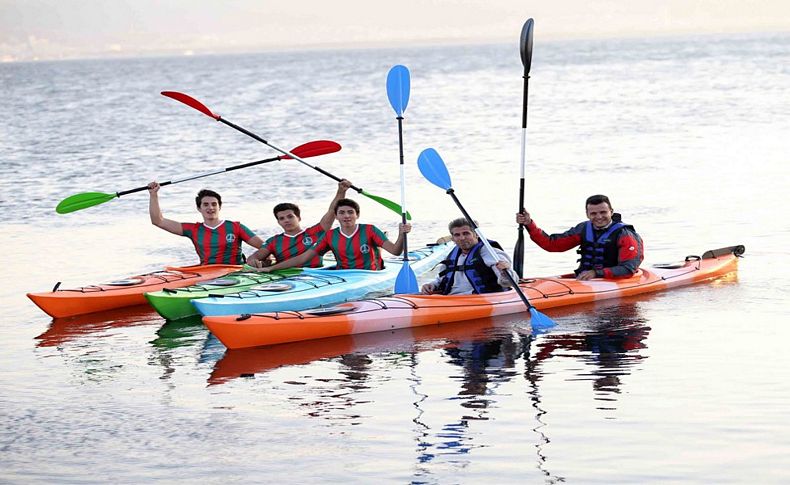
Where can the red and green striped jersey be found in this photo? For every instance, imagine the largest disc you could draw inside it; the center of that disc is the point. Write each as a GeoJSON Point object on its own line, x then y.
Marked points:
{"type": "Point", "coordinates": [220, 245]}
{"type": "Point", "coordinates": [358, 251]}
{"type": "Point", "coordinates": [283, 246]}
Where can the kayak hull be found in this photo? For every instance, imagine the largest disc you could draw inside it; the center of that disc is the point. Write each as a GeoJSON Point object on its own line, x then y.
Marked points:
{"type": "Point", "coordinates": [404, 311]}
{"type": "Point", "coordinates": [129, 291]}
{"type": "Point", "coordinates": [315, 287]}
{"type": "Point", "coordinates": [176, 303]}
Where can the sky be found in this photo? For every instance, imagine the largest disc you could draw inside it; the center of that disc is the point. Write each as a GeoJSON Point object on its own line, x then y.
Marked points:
{"type": "Point", "coordinates": [68, 29]}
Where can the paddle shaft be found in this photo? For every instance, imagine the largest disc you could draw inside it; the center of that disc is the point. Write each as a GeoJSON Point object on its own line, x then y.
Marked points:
{"type": "Point", "coordinates": [518, 252]}
{"type": "Point", "coordinates": [402, 189]}
{"type": "Point", "coordinates": [284, 152]}
{"type": "Point", "coordinates": [521, 294]}
{"type": "Point", "coordinates": [207, 174]}
{"type": "Point", "coordinates": [526, 60]}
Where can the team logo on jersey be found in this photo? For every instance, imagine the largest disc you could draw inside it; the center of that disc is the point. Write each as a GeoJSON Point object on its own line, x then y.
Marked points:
{"type": "Point", "coordinates": [230, 238]}
{"type": "Point", "coordinates": [364, 249]}
{"type": "Point", "coordinates": [307, 240]}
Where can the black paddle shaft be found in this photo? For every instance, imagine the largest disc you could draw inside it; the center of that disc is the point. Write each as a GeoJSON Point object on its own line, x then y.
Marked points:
{"type": "Point", "coordinates": [256, 137]}
{"type": "Point", "coordinates": [235, 167]}
{"type": "Point", "coordinates": [139, 189]}
{"type": "Point", "coordinates": [403, 210]}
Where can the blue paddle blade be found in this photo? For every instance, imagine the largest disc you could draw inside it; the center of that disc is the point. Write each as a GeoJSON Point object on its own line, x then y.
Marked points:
{"type": "Point", "coordinates": [539, 320]}
{"type": "Point", "coordinates": [432, 167]}
{"type": "Point", "coordinates": [406, 282]}
{"type": "Point", "coordinates": [398, 86]}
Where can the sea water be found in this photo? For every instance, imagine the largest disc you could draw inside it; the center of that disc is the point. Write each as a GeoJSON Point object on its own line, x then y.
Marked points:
{"type": "Point", "coordinates": [687, 136]}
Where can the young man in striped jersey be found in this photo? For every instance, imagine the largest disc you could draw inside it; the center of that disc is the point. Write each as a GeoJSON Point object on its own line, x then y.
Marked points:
{"type": "Point", "coordinates": [216, 241]}
{"type": "Point", "coordinates": [294, 240]}
{"type": "Point", "coordinates": [355, 246]}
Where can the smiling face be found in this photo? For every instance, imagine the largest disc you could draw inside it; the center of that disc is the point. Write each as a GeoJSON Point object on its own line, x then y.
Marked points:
{"type": "Point", "coordinates": [464, 237]}
{"type": "Point", "coordinates": [209, 209]}
{"type": "Point", "coordinates": [599, 214]}
{"type": "Point", "coordinates": [347, 216]}
{"type": "Point", "coordinates": [289, 221]}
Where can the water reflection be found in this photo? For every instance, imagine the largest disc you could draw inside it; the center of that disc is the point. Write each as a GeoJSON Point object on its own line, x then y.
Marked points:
{"type": "Point", "coordinates": [65, 330]}
{"type": "Point", "coordinates": [249, 362]}
{"type": "Point", "coordinates": [171, 340]}
{"type": "Point", "coordinates": [608, 337]}
{"type": "Point", "coordinates": [608, 340]}
{"type": "Point", "coordinates": [490, 357]}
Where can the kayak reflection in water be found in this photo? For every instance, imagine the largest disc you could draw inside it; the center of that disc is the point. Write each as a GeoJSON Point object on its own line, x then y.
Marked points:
{"type": "Point", "coordinates": [609, 247]}
{"type": "Point", "coordinates": [470, 268]}
{"type": "Point", "coordinates": [216, 241]}
{"type": "Point", "coordinates": [355, 246]}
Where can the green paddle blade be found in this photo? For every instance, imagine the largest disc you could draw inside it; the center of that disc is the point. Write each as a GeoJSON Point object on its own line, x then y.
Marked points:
{"type": "Point", "coordinates": [82, 201]}
{"type": "Point", "coordinates": [396, 208]}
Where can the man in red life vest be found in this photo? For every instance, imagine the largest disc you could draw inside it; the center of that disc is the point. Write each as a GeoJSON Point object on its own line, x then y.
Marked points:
{"type": "Point", "coordinates": [355, 246]}
{"type": "Point", "coordinates": [294, 240]}
{"type": "Point", "coordinates": [216, 241]}
{"type": "Point", "coordinates": [609, 247]}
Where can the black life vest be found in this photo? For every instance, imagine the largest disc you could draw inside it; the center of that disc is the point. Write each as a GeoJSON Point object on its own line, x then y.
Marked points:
{"type": "Point", "coordinates": [482, 277]}
{"type": "Point", "coordinates": [600, 252]}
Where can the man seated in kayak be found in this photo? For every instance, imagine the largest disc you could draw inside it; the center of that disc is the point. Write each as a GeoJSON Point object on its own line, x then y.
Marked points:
{"type": "Point", "coordinates": [470, 267]}
{"type": "Point", "coordinates": [216, 241]}
{"type": "Point", "coordinates": [609, 248]}
{"type": "Point", "coordinates": [295, 240]}
{"type": "Point", "coordinates": [355, 246]}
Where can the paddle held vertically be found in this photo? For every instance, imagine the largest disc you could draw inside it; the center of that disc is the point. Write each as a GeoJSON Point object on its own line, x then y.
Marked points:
{"type": "Point", "coordinates": [526, 60]}
{"type": "Point", "coordinates": [398, 88]}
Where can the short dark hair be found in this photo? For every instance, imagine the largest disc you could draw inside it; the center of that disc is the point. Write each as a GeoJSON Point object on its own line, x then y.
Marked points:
{"type": "Point", "coordinates": [347, 203]}
{"type": "Point", "coordinates": [597, 199]}
{"type": "Point", "coordinates": [460, 222]}
{"type": "Point", "coordinates": [207, 193]}
{"type": "Point", "coordinates": [287, 206]}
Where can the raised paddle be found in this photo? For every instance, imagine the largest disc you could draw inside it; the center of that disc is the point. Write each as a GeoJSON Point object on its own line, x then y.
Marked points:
{"type": "Point", "coordinates": [526, 60]}
{"type": "Point", "coordinates": [433, 168]}
{"type": "Point", "coordinates": [194, 103]}
{"type": "Point", "coordinates": [89, 199]}
{"type": "Point", "coordinates": [398, 87]}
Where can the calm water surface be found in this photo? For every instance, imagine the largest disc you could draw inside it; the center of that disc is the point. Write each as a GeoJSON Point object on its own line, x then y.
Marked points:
{"type": "Point", "coordinates": [688, 136]}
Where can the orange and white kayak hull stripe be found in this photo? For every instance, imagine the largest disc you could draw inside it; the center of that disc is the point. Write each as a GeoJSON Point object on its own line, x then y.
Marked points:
{"type": "Point", "coordinates": [404, 311]}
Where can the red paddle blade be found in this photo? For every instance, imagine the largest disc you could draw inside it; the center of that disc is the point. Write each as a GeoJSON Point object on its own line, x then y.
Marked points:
{"type": "Point", "coordinates": [314, 148]}
{"type": "Point", "coordinates": [190, 101]}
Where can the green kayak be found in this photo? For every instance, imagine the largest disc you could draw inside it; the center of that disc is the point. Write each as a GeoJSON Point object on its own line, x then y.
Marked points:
{"type": "Point", "coordinates": [176, 303]}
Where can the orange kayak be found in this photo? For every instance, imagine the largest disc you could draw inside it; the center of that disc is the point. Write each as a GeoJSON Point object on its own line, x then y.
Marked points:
{"type": "Point", "coordinates": [129, 291]}
{"type": "Point", "coordinates": [405, 311]}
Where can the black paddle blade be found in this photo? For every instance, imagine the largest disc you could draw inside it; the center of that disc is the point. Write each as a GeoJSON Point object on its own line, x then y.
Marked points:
{"type": "Point", "coordinates": [526, 44]}
{"type": "Point", "coordinates": [518, 254]}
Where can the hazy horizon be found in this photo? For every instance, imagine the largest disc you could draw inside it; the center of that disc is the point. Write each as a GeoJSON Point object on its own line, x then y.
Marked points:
{"type": "Point", "coordinates": [70, 29]}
